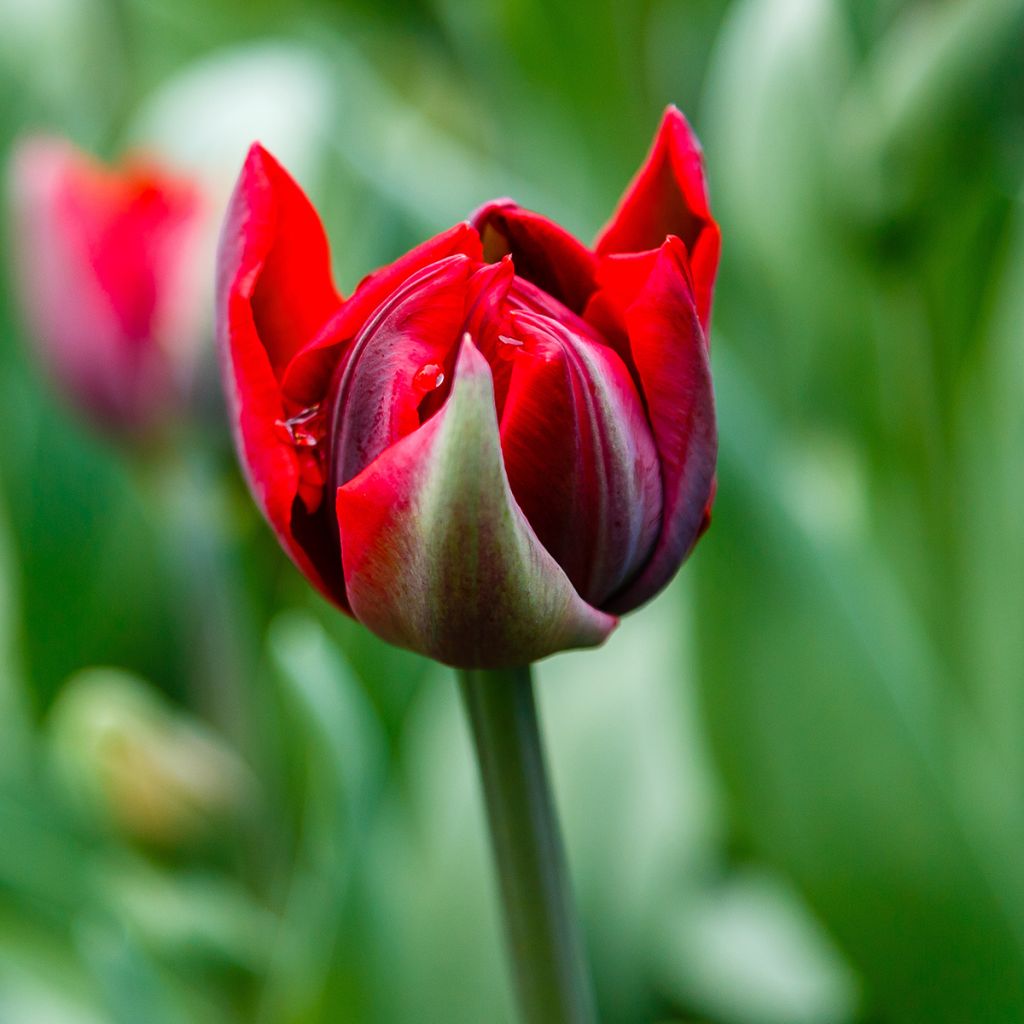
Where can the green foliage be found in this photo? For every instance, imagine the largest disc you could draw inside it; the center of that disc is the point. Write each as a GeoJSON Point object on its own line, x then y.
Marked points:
{"type": "Point", "coordinates": [792, 786]}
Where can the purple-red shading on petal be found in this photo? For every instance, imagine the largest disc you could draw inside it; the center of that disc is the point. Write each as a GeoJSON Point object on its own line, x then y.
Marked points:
{"type": "Point", "coordinates": [400, 357]}
{"type": "Point", "coordinates": [672, 364]}
{"type": "Point", "coordinates": [669, 196]}
{"type": "Point", "coordinates": [579, 455]}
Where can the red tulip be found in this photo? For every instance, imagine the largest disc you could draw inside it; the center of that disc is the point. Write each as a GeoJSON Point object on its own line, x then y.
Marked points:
{"type": "Point", "coordinates": [107, 261]}
{"type": "Point", "coordinates": [497, 443]}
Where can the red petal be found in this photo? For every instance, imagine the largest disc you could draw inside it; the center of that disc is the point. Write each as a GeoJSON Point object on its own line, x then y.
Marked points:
{"type": "Point", "coordinates": [669, 196]}
{"type": "Point", "coordinates": [105, 257]}
{"type": "Point", "coordinates": [439, 558]}
{"type": "Point", "coordinates": [273, 292]}
{"type": "Point", "coordinates": [292, 293]}
{"type": "Point", "coordinates": [309, 373]}
{"type": "Point", "coordinates": [379, 393]}
{"type": "Point", "coordinates": [620, 279]}
{"type": "Point", "coordinates": [580, 457]}
{"type": "Point", "coordinates": [672, 363]}
{"type": "Point", "coordinates": [543, 253]}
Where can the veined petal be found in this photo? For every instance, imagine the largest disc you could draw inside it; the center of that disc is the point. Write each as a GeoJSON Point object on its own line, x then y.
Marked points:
{"type": "Point", "coordinates": [438, 556]}
{"type": "Point", "coordinates": [273, 292]}
{"type": "Point", "coordinates": [669, 196]}
{"type": "Point", "coordinates": [672, 364]}
{"type": "Point", "coordinates": [580, 457]}
{"type": "Point", "coordinates": [400, 357]}
{"type": "Point", "coordinates": [543, 252]}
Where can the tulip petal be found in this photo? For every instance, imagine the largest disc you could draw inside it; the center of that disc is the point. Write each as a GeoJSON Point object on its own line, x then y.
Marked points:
{"type": "Point", "coordinates": [106, 255]}
{"type": "Point", "coordinates": [672, 364]}
{"type": "Point", "coordinates": [310, 370]}
{"type": "Point", "coordinates": [543, 253]}
{"type": "Point", "coordinates": [669, 196]}
{"type": "Point", "coordinates": [382, 385]}
{"type": "Point", "coordinates": [273, 292]}
{"type": "Point", "coordinates": [580, 457]}
{"type": "Point", "coordinates": [440, 559]}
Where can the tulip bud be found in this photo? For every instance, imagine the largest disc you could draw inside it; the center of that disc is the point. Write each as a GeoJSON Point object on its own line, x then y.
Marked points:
{"type": "Point", "coordinates": [127, 759]}
{"type": "Point", "coordinates": [107, 268]}
{"type": "Point", "coordinates": [499, 442]}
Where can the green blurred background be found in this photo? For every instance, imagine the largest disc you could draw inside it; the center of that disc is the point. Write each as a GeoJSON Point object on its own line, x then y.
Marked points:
{"type": "Point", "coordinates": [792, 787]}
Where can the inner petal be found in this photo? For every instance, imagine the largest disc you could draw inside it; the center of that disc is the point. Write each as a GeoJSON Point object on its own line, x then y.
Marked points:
{"type": "Point", "coordinates": [382, 381]}
{"type": "Point", "coordinates": [579, 454]}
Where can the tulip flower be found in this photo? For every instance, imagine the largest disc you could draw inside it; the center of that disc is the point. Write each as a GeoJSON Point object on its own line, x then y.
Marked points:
{"type": "Point", "coordinates": [107, 261]}
{"type": "Point", "coordinates": [500, 442]}
{"type": "Point", "coordinates": [494, 447]}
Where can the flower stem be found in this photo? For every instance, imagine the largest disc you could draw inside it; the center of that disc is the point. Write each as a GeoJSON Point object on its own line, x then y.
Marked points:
{"type": "Point", "coordinates": [544, 941]}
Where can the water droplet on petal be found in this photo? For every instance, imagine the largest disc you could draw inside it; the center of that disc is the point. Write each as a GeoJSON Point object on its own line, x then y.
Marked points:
{"type": "Point", "coordinates": [304, 430]}
{"type": "Point", "coordinates": [429, 377]}
{"type": "Point", "coordinates": [508, 348]}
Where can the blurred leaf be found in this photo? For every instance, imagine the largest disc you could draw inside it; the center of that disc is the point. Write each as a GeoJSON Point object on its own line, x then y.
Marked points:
{"type": "Point", "coordinates": [827, 722]}
{"type": "Point", "coordinates": [990, 421]}
{"type": "Point", "coordinates": [41, 979]}
{"type": "Point", "coordinates": [382, 131]}
{"type": "Point", "coordinates": [206, 116]}
{"type": "Point", "coordinates": [432, 916]}
{"type": "Point", "coordinates": [14, 723]}
{"type": "Point", "coordinates": [748, 952]}
{"type": "Point", "coordinates": [47, 48]}
{"type": "Point", "coordinates": [775, 82]}
{"type": "Point", "coordinates": [341, 733]}
{"type": "Point", "coordinates": [190, 919]}
{"type": "Point", "coordinates": [90, 563]}
{"type": "Point", "coordinates": [933, 78]}
{"type": "Point", "coordinates": [634, 789]}
{"type": "Point", "coordinates": [134, 989]}
{"type": "Point", "coordinates": [345, 755]}
{"type": "Point", "coordinates": [47, 863]}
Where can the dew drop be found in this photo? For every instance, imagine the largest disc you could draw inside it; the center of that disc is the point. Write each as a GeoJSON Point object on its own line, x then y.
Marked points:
{"type": "Point", "coordinates": [429, 377]}
{"type": "Point", "coordinates": [303, 430]}
{"type": "Point", "coordinates": [508, 347]}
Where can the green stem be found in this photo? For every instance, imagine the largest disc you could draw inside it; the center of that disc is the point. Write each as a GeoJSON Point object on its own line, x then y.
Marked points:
{"type": "Point", "coordinates": [543, 938]}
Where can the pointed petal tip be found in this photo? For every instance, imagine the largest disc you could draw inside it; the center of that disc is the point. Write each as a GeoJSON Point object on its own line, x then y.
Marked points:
{"type": "Point", "coordinates": [260, 165]}
{"type": "Point", "coordinates": [669, 196]}
{"type": "Point", "coordinates": [673, 119]}
{"type": "Point", "coordinates": [257, 152]}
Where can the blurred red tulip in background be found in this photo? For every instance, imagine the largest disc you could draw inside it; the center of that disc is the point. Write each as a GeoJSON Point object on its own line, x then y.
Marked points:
{"type": "Point", "coordinates": [107, 261]}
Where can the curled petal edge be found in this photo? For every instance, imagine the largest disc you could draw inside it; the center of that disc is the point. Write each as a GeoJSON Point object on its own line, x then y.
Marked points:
{"type": "Point", "coordinates": [252, 390]}
{"type": "Point", "coordinates": [671, 358]}
{"type": "Point", "coordinates": [544, 253]}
